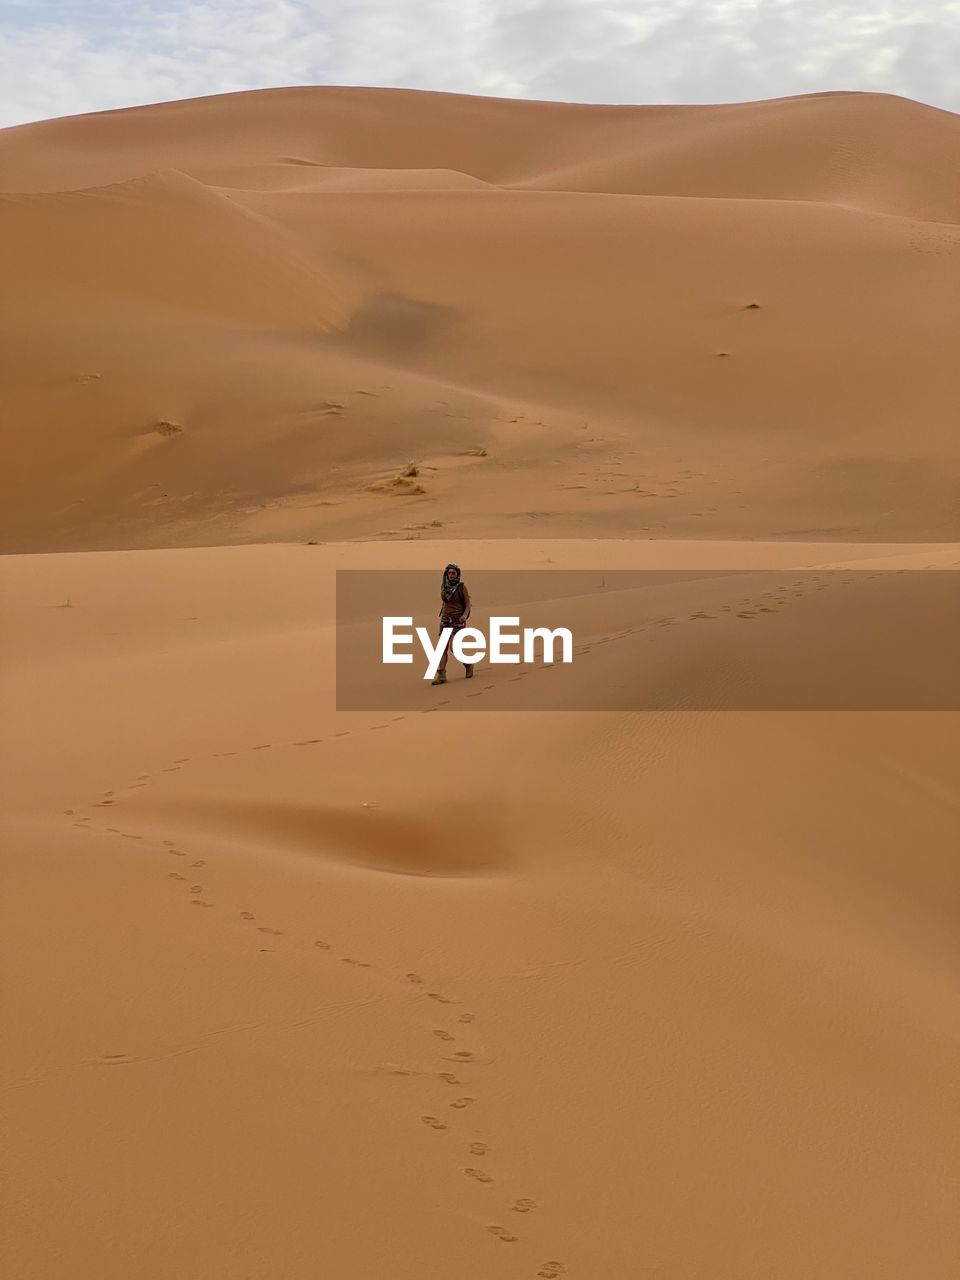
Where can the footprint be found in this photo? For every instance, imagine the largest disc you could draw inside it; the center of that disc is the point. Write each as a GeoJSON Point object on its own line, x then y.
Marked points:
{"type": "Point", "coordinates": [69, 812]}
{"type": "Point", "coordinates": [247, 915]}
{"type": "Point", "coordinates": [263, 746]}
{"type": "Point", "coordinates": [507, 1237]}
{"type": "Point", "coordinates": [201, 862]}
{"type": "Point", "coordinates": [308, 742]}
{"type": "Point", "coordinates": [523, 1205]}
{"type": "Point", "coordinates": [464, 1055]}
{"type": "Point", "coordinates": [198, 902]}
{"type": "Point", "coordinates": [478, 1148]}
{"type": "Point", "coordinates": [182, 760]}
{"type": "Point", "coordinates": [169, 843]}
{"type": "Point", "coordinates": [443, 1035]}
{"type": "Point", "coordinates": [551, 1270]}
{"type": "Point", "coordinates": [196, 888]}
{"type": "Point", "coordinates": [462, 1102]}
{"type": "Point", "coordinates": [467, 1017]}
{"type": "Point", "coordinates": [361, 964]}
{"type": "Point", "coordinates": [324, 946]}
{"type": "Point", "coordinates": [115, 1059]}
{"type": "Point", "coordinates": [448, 1077]}
{"type": "Point", "coordinates": [478, 1174]}
{"type": "Point", "coordinates": [275, 933]}
{"type": "Point", "coordinates": [175, 875]}
{"type": "Point", "coordinates": [414, 977]}
{"type": "Point", "coordinates": [435, 995]}
{"type": "Point", "coordinates": [433, 1122]}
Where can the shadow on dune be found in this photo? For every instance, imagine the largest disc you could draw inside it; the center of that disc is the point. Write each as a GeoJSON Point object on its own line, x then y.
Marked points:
{"type": "Point", "coordinates": [454, 842]}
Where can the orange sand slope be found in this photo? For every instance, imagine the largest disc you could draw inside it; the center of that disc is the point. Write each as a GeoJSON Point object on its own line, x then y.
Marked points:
{"type": "Point", "coordinates": [240, 317]}
{"type": "Point", "coordinates": [290, 993]}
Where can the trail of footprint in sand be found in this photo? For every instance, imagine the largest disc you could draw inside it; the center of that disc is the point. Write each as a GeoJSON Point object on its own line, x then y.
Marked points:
{"type": "Point", "coordinates": [522, 1205]}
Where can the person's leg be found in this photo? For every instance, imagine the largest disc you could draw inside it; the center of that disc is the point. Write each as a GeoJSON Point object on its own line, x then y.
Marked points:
{"type": "Point", "coordinates": [441, 676]}
{"type": "Point", "coordinates": [467, 666]}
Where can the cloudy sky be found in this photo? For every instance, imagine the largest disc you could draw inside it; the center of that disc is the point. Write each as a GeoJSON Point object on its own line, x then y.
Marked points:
{"type": "Point", "coordinates": [58, 57]}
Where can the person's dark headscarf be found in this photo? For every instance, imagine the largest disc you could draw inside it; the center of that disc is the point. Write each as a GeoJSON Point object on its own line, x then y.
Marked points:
{"type": "Point", "coordinates": [449, 589]}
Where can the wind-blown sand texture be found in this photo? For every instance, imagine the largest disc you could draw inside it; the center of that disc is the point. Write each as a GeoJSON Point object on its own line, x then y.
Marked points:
{"type": "Point", "coordinates": [238, 318]}
{"type": "Point", "coordinates": [292, 992]}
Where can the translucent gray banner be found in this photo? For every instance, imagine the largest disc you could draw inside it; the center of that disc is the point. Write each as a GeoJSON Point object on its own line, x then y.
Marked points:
{"type": "Point", "coordinates": [749, 640]}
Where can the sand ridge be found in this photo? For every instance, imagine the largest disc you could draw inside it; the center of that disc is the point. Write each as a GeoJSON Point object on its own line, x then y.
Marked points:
{"type": "Point", "coordinates": [630, 319]}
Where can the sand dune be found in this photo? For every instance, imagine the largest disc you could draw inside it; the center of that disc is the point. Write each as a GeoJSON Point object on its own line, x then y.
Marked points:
{"type": "Point", "coordinates": [663, 985]}
{"type": "Point", "coordinates": [297, 990]}
{"type": "Point", "coordinates": [883, 152]}
{"type": "Point", "coordinates": [701, 321]}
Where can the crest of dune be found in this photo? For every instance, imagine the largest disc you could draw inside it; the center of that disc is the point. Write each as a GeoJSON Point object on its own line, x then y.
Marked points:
{"type": "Point", "coordinates": [763, 288]}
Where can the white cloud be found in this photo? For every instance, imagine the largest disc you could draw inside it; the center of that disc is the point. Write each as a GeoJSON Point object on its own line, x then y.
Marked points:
{"type": "Point", "coordinates": [59, 57]}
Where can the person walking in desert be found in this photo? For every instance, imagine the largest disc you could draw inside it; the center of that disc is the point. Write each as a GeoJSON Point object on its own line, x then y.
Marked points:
{"type": "Point", "coordinates": [454, 612]}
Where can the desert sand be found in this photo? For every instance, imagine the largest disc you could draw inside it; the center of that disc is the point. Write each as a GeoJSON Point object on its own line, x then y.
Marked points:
{"type": "Point", "coordinates": [292, 991]}
{"type": "Point", "coordinates": [238, 318]}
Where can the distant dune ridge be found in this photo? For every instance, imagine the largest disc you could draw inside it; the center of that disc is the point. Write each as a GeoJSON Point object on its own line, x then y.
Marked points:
{"type": "Point", "coordinates": [657, 321]}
